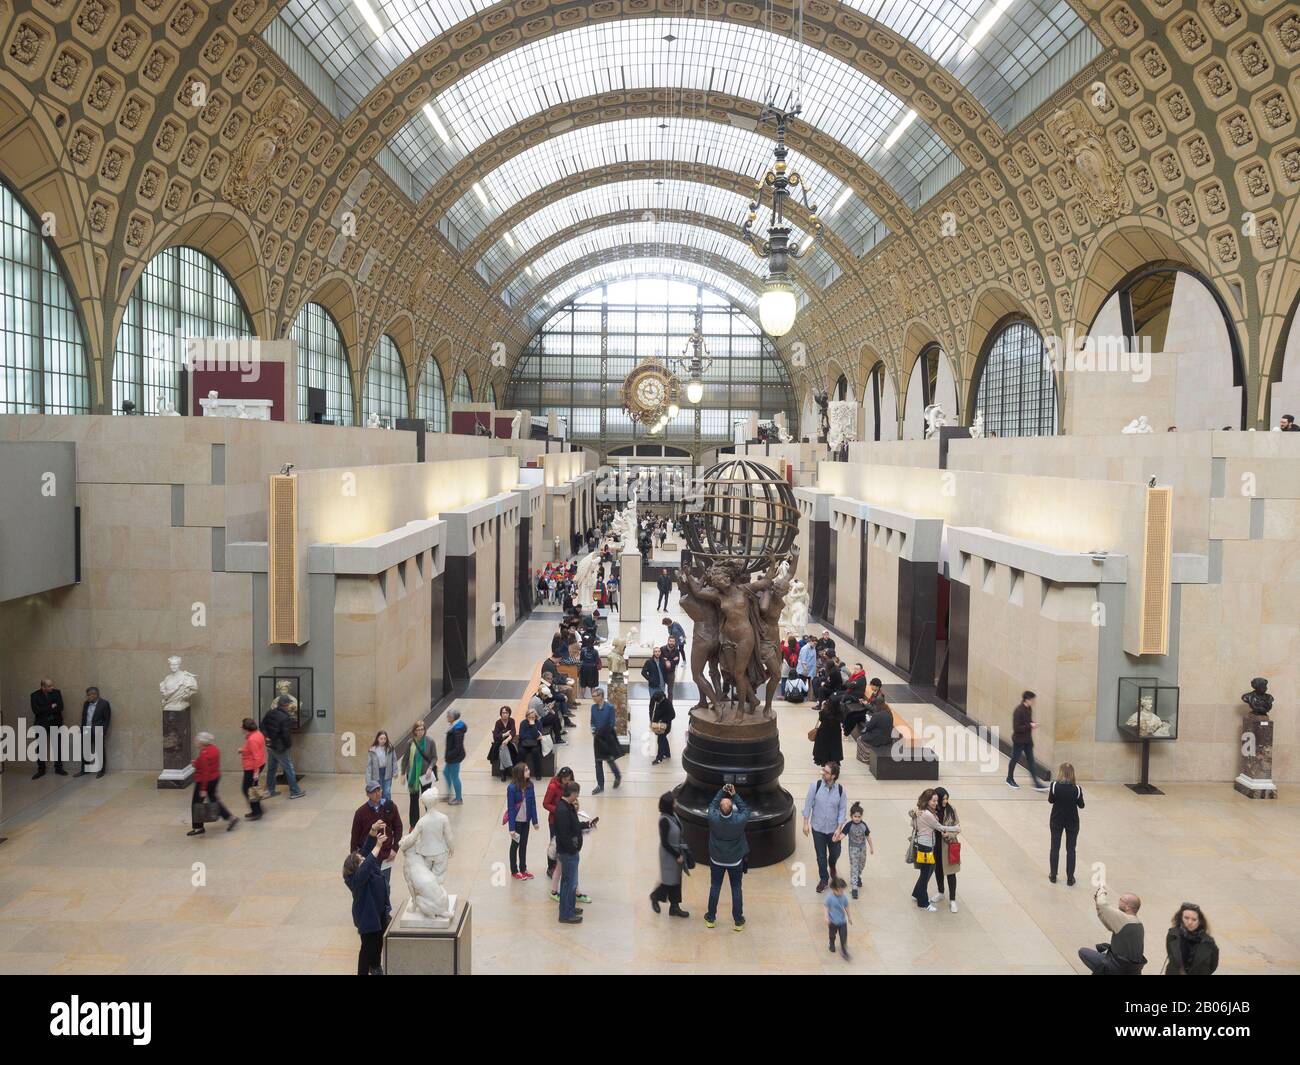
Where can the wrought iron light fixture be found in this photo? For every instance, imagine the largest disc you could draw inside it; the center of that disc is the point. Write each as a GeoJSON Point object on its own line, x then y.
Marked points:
{"type": "Point", "coordinates": [777, 306]}
{"type": "Point", "coordinates": [692, 364]}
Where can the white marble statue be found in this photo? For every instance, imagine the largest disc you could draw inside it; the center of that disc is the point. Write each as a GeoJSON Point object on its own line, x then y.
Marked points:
{"type": "Point", "coordinates": [372, 420]}
{"type": "Point", "coordinates": [209, 401]}
{"type": "Point", "coordinates": [977, 426]}
{"type": "Point", "coordinates": [178, 687]}
{"type": "Point", "coordinates": [1138, 425]}
{"type": "Point", "coordinates": [166, 408]}
{"type": "Point", "coordinates": [633, 645]}
{"type": "Point", "coordinates": [935, 419]}
{"type": "Point", "coordinates": [516, 424]}
{"type": "Point", "coordinates": [794, 614]}
{"type": "Point", "coordinates": [426, 848]}
{"type": "Point", "coordinates": [1153, 724]}
{"type": "Point", "coordinates": [584, 581]}
{"type": "Point", "coordinates": [843, 415]}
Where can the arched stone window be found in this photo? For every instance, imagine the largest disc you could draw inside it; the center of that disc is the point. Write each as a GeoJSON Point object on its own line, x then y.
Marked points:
{"type": "Point", "coordinates": [431, 401]}
{"type": "Point", "coordinates": [462, 393]}
{"type": "Point", "coordinates": [385, 393]}
{"type": "Point", "coordinates": [43, 360]}
{"type": "Point", "coordinates": [182, 295]}
{"type": "Point", "coordinates": [1016, 390]}
{"type": "Point", "coordinates": [323, 363]}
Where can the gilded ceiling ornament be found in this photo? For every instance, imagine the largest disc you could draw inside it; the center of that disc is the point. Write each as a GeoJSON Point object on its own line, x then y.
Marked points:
{"type": "Point", "coordinates": [1090, 160]}
{"type": "Point", "coordinates": [267, 140]}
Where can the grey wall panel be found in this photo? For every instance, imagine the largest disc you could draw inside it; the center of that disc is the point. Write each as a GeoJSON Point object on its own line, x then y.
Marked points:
{"type": "Point", "coordinates": [38, 521]}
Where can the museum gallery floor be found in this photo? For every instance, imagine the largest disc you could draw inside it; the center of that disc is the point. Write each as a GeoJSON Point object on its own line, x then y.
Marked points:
{"type": "Point", "coordinates": [100, 877]}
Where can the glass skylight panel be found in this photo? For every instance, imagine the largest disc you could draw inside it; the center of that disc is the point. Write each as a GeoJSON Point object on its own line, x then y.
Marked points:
{"type": "Point", "coordinates": [1019, 42]}
{"type": "Point", "coordinates": [337, 35]}
{"type": "Point", "coordinates": [576, 287]}
{"type": "Point", "coordinates": [693, 54]}
{"type": "Point", "coordinates": [650, 199]}
{"type": "Point", "coordinates": [682, 144]}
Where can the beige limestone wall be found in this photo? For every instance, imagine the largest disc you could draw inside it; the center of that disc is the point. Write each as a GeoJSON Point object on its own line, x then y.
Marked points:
{"type": "Point", "coordinates": [921, 453]}
{"type": "Point", "coordinates": [882, 596]}
{"type": "Point", "coordinates": [381, 658]}
{"type": "Point", "coordinates": [848, 551]}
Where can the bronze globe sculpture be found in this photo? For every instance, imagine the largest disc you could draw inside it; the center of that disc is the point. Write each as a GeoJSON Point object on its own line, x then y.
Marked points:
{"type": "Point", "coordinates": [739, 534]}
{"type": "Point", "coordinates": [746, 516]}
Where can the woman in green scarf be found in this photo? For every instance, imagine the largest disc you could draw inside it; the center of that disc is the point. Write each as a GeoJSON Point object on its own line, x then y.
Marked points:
{"type": "Point", "coordinates": [421, 767]}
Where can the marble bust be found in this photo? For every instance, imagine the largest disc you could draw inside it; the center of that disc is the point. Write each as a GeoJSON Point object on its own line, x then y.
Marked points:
{"type": "Point", "coordinates": [178, 687]}
{"type": "Point", "coordinates": [1258, 698]}
{"type": "Point", "coordinates": [425, 849]}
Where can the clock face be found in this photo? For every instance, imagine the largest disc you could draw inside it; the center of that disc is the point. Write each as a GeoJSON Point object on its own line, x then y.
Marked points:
{"type": "Point", "coordinates": [647, 391]}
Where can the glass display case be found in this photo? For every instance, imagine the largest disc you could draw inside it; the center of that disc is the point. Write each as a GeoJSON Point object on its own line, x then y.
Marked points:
{"type": "Point", "coordinates": [1147, 709]}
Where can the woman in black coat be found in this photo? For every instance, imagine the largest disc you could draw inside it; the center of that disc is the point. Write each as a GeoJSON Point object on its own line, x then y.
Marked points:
{"type": "Point", "coordinates": [1190, 950]}
{"type": "Point", "coordinates": [504, 733]}
{"type": "Point", "coordinates": [1066, 798]}
{"type": "Point", "coordinates": [661, 714]}
{"type": "Point", "coordinates": [828, 746]}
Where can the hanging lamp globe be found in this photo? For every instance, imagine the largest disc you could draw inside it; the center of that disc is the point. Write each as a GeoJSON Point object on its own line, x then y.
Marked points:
{"type": "Point", "coordinates": [777, 307]}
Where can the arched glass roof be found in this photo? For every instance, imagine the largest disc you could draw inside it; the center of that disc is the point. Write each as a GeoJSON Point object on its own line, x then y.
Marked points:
{"type": "Point", "coordinates": [693, 54]}
{"type": "Point", "coordinates": [993, 46]}
{"type": "Point", "coordinates": [626, 269]}
{"type": "Point", "coordinates": [680, 144]}
{"type": "Point", "coordinates": [673, 234]}
{"type": "Point", "coordinates": [651, 199]}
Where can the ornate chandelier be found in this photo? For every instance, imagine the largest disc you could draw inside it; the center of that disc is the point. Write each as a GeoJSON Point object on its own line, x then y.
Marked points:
{"type": "Point", "coordinates": [777, 306]}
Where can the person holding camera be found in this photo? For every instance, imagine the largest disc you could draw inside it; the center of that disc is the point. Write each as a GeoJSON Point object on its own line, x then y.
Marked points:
{"type": "Point", "coordinates": [728, 851]}
{"type": "Point", "coordinates": [370, 901]}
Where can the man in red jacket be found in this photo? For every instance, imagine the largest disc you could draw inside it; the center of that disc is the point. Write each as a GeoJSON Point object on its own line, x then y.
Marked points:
{"type": "Point", "coordinates": [377, 808]}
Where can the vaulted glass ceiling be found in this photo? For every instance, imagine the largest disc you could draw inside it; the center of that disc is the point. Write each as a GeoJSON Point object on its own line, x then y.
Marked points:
{"type": "Point", "coordinates": [671, 234]}
{"type": "Point", "coordinates": [682, 143]}
{"type": "Point", "coordinates": [993, 46]}
{"type": "Point", "coordinates": [720, 283]}
{"type": "Point", "coordinates": [723, 57]}
{"type": "Point", "coordinates": [649, 199]}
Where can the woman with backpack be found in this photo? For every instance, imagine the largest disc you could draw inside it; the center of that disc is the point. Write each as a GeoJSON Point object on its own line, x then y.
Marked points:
{"type": "Point", "coordinates": [673, 858]}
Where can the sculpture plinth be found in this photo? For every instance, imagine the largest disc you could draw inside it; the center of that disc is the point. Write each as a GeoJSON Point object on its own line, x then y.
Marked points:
{"type": "Point", "coordinates": [1255, 781]}
{"type": "Point", "coordinates": [746, 753]}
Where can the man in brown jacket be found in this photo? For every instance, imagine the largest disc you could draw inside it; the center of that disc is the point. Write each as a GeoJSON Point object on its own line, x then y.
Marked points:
{"type": "Point", "coordinates": [1022, 740]}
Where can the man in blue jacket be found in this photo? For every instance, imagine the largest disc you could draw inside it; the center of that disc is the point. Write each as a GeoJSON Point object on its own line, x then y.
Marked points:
{"type": "Point", "coordinates": [728, 849]}
{"type": "Point", "coordinates": [604, 740]}
{"type": "Point", "coordinates": [370, 902]}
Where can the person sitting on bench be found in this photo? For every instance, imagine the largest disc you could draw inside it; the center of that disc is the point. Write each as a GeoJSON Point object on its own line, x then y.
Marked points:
{"type": "Point", "coordinates": [879, 729]}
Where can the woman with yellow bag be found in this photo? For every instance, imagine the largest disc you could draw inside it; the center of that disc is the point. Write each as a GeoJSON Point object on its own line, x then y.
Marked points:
{"type": "Point", "coordinates": [927, 833]}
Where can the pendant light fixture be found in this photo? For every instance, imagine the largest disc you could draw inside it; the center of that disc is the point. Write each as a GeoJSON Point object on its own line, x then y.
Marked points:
{"type": "Point", "coordinates": [777, 306]}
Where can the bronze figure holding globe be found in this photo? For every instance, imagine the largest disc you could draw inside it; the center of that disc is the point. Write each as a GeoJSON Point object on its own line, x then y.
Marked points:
{"type": "Point", "coordinates": [734, 590]}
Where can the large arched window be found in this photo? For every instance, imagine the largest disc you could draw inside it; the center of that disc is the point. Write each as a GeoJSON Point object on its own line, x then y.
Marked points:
{"type": "Point", "coordinates": [322, 363]}
{"type": "Point", "coordinates": [385, 392]}
{"type": "Point", "coordinates": [42, 349]}
{"type": "Point", "coordinates": [1017, 391]}
{"type": "Point", "coordinates": [431, 401]}
{"type": "Point", "coordinates": [492, 396]}
{"type": "Point", "coordinates": [182, 295]}
{"type": "Point", "coordinates": [462, 393]}
{"type": "Point", "coordinates": [562, 369]}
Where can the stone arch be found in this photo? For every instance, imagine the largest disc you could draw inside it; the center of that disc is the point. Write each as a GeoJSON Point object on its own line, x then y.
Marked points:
{"type": "Point", "coordinates": [33, 160]}
{"type": "Point", "coordinates": [401, 328]}
{"type": "Point", "coordinates": [994, 306]}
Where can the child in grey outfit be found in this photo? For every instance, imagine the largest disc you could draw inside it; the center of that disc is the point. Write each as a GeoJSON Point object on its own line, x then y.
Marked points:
{"type": "Point", "coordinates": [855, 830]}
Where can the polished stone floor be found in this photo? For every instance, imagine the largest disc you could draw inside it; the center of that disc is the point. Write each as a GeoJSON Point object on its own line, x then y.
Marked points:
{"type": "Point", "coordinates": [98, 876]}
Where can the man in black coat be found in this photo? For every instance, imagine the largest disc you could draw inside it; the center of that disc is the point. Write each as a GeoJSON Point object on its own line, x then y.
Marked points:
{"type": "Point", "coordinates": [664, 583]}
{"type": "Point", "coordinates": [47, 713]}
{"type": "Point", "coordinates": [277, 727]}
{"type": "Point", "coordinates": [96, 713]}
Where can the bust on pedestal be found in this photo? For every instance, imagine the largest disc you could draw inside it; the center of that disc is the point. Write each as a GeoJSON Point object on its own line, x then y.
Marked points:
{"type": "Point", "coordinates": [1255, 781]}
{"type": "Point", "coordinates": [177, 689]}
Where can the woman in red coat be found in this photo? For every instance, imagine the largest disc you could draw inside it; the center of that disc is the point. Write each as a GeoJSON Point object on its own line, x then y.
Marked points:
{"type": "Point", "coordinates": [207, 774]}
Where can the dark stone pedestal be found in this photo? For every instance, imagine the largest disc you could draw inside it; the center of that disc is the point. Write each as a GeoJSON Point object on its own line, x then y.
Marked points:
{"type": "Point", "coordinates": [178, 772]}
{"type": "Point", "coordinates": [1256, 778]}
{"type": "Point", "coordinates": [748, 755]}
